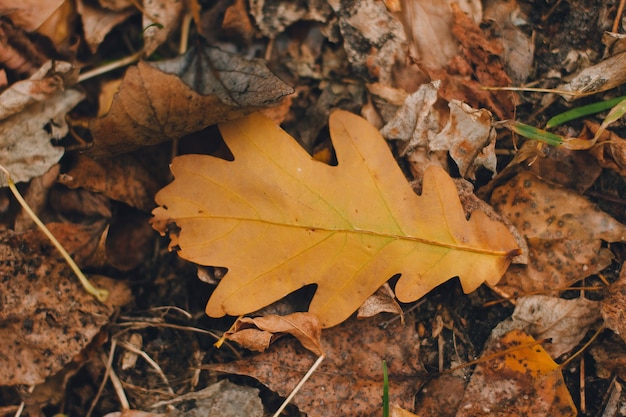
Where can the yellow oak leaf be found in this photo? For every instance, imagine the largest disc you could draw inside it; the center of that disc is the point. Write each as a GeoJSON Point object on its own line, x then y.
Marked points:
{"type": "Point", "coordinates": [280, 220]}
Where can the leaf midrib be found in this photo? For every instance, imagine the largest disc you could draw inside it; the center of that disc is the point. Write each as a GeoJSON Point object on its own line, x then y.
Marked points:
{"type": "Point", "coordinates": [356, 231]}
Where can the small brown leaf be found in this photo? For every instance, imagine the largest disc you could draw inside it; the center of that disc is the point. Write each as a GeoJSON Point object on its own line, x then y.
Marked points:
{"type": "Point", "coordinates": [257, 333]}
{"type": "Point", "coordinates": [614, 306]}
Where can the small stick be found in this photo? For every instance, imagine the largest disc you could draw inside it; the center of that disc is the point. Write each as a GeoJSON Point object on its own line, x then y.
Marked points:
{"type": "Point", "coordinates": [300, 384]}
{"type": "Point", "coordinates": [100, 293]}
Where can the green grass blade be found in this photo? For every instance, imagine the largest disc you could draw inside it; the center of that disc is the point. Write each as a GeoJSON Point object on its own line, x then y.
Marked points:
{"type": "Point", "coordinates": [582, 111]}
{"type": "Point", "coordinates": [385, 391]}
{"type": "Point", "coordinates": [534, 133]}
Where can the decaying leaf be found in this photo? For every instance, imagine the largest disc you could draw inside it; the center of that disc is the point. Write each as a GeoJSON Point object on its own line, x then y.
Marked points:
{"type": "Point", "coordinates": [98, 22]}
{"type": "Point", "coordinates": [279, 220]}
{"type": "Point", "coordinates": [564, 233]}
{"type": "Point", "coordinates": [47, 317]}
{"type": "Point", "coordinates": [257, 333]}
{"type": "Point", "coordinates": [350, 378]}
{"type": "Point", "coordinates": [25, 147]}
{"type": "Point", "coordinates": [382, 301]}
{"type": "Point", "coordinates": [564, 322]}
{"type": "Point", "coordinates": [160, 19]}
{"type": "Point", "coordinates": [160, 101]}
{"type": "Point", "coordinates": [522, 382]}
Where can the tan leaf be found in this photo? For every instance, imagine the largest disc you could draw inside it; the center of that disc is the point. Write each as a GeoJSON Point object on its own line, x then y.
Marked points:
{"type": "Point", "coordinates": [257, 333]}
{"type": "Point", "coordinates": [564, 322]}
{"type": "Point", "coordinates": [279, 220]}
{"type": "Point", "coordinates": [25, 147]}
{"type": "Point", "coordinates": [382, 301]}
{"type": "Point", "coordinates": [160, 19]}
{"type": "Point", "coordinates": [167, 100]}
{"type": "Point", "coordinates": [564, 232]}
{"type": "Point", "coordinates": [98, 22]}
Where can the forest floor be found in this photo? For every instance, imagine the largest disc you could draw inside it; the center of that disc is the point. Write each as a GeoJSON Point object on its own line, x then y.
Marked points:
{"type": "Point", "coordinates": [99, 98]}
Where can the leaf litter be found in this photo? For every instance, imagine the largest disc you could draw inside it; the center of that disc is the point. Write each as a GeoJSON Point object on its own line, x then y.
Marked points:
{"type": "Point", "coordinates": [334, 57]}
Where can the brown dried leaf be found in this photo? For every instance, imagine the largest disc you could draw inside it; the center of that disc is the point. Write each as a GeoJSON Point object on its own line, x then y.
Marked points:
{"type": "Point", "coordinates": [610, 150]}
{"type": "Point", "coordinates": [121, 178]}
{"type": "Point", "coordinates": [258, 333]}
{"type": "Point", "coordinates": [17, 52]}
{"type": "Point", "coordinates": [564, 233]}
{"type": "Point", "coordinates": [52, 78]}
{"type": "Point", "coordinates": [160, 19]}
{"type": "Point", "coordinates": [614, 306]}
{"type": "Point", "coordinates": [350, 377]}
{"type": "Point", "coordinates": [600, 77]}
{"type": "Point", "coordinates": [273, 17]}
{"type": "Point", "coordinates": [29, 14]}
{"type": "Point", "coordinates": [170, 99]}
{"type": "Point", "coordinates": [47, 317]}
{"type": "Point", "coordinates": [564, 322]}
{"type": "Point", "coordinates": [25, 147]}
{"type": "Point", "coordinates": [98, 22]}
{"type": "Point", "coordinates": [382, 301]}
{"type": "Point", "coordinates": [523, 382]}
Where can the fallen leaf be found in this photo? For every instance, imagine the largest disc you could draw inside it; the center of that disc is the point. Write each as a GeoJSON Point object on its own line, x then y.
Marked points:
{"type": "Point", "coordinates": [609, 358]}
{"type": "Point", "coordinates": [600, 77]}
{"type": "Point", "coordinates": [564, 233]}
{"type": "Point", "coordinates": [610, 150]}
{"type": "Point", "coordinates": [167, 100]}
{"type": "Point", "coordinates": [279, 220]}
{"type": "Point", "coordinates": [52, 78]}
{"type": "Point", "coordinates": [564, 322]}
{"type": "Point", "coordinates": [400, 412]}
{"type": "Point", "coordinates": [25, 148]}
{"type": "Point", "coordinates": [19, 53]}
{"type": "Point", "coordinates": [350, 377]}
{"type": "Point", "coordinates": [121, 178]}
{"type": "Point", "coordinates": [98, 22]}
{"type": "Point", "coordinates": [382, 301]}
{"type": "Point", "coordinates": [522, 382]}
{"type": "Point", "coordinates": [29, 14]}
{"type": "Point", "coordinates": [160, 19]}
{"type": "Point", "coordinates": [257, 333]}
{"type": "Point", "coordinates": [273, 17]}
{"type": "Point", "coordinates": [470, 137]}
{"type": "Point", "coordinates": [614, 306]}
{"type": "Point", "coordinates": [440, 397]}
{"type": "Point", "coordinates": [47, 317]}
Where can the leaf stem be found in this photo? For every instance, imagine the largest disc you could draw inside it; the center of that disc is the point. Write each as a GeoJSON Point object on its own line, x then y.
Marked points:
{"type": "Point", "coordinates": [100, 293]}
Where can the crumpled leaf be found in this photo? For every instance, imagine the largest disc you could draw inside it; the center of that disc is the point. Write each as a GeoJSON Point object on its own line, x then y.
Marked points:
{"type": "Point", "coordinates": [167, 100]}
{"type": "Point", "coordinates": [382, 301]}
{"type": "Point", "coordinates": [564, 322]}
{"type": "Point", "coordinates": [523, 382]}
{"type": "Point", "coordinates": [98, 22]}
{"type": "Point", "coordinates": [600, 77]}
{"type": "Point", "coordinates": [468, 135]}
{"type": "Point", "coordinates": [564, 233]}
{"type": "Point", "coordinates": [279, 220]}
{"type": "Point", "coordinates": [47, 317]}
{"type": "Point", "coordinates": [53, 77]}
{"type": "Point", "coordinates": [257, 333]}
{"type": "Point", "coordinates": [29, 14]}
{"type": "Point", "coordinates": [25, 148]}
{"type": "Point", "coordinates": [272, 17]}
{"type": "Point", "coordinates": [614, 306]}
{"type": "Point", "coordinates": [350, 377]}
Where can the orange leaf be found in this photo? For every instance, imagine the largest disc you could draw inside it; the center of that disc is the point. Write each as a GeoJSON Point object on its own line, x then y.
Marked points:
{"type": "Point", "coordinates": [258, 333]}
{"type": "Point", "coordinates": [523, 382]}
{"type": "Point", "coordinates": [279, 220]}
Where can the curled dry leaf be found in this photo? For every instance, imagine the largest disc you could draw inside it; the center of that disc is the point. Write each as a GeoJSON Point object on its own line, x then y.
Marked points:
{"type": "Point", "coordinates": [52, 78]}
{"type": "Point", "coordinates": [273, 17]}
{"type": "Point", "coordinates": [564, 233]}
{"type": "Point", "coordinates": [350, 377]}
{"type": "Point", "coordinates": [167, 100]}
{"type": "Point", "coordinates": [279, 220]}
{"type": "Point", "coordinates": [47, 317]}
{"type": "Point", "coordinates": [258, 333]}
{"type": "Point", "coordinates": [29, 14]}
{"type": "Point", "coordinates": [610, 150]}
{"type": "Point", "coordinates": [603, 76]}
{"type": "Point", "coordinates": [98, 22]}
{"type": "Point", "coordinates": [522, 382]}
{"type": "Point", "coordinates": [25, 147]}
{"type": "Point", "coordinates": [382, 301]}
{"type": "Point", "coordinates": [564, 322]}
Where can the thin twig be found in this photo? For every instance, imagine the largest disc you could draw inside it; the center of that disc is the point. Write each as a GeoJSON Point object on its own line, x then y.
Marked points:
{"type": "Point", "coordinates": [300, 384]}
{"type": "Point", "coordinates": [110, 67]}
{"type": "Point", "coordinates": [100, 293]}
